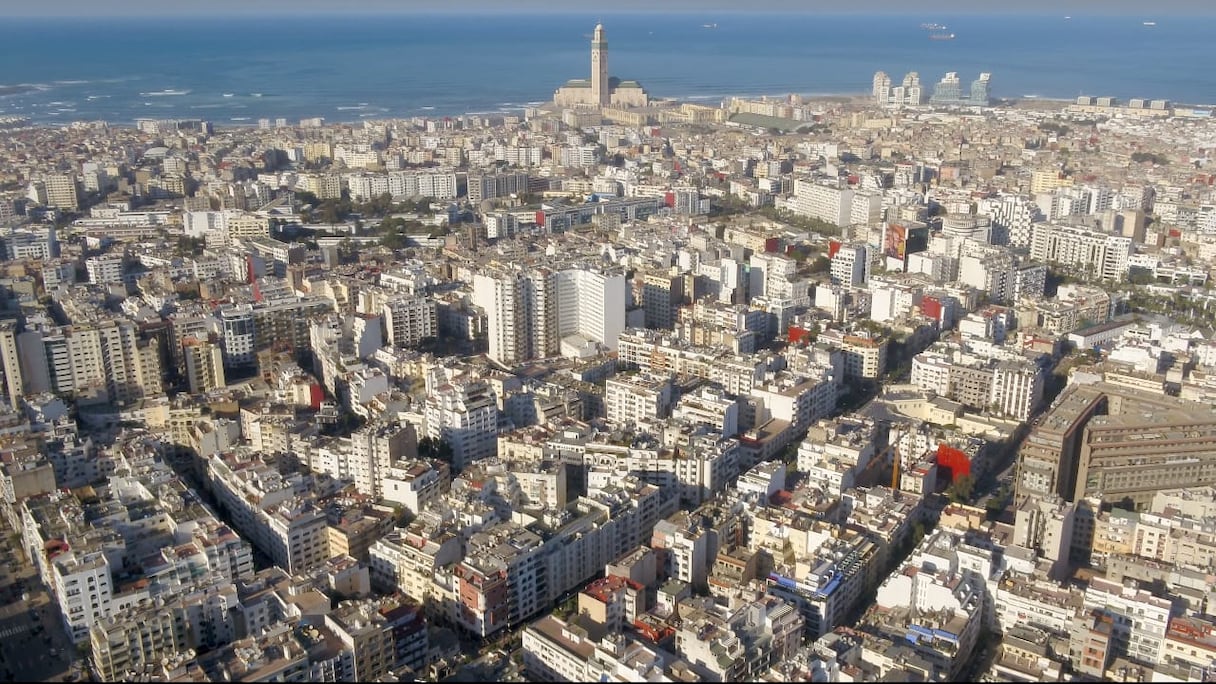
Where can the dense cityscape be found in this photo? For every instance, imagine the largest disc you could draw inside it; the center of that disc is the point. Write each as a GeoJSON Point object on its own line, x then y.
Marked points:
{"type": "Point", "coordinates": [915, 386]}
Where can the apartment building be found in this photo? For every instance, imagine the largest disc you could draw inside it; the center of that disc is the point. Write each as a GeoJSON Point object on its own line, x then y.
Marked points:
{"type": "Point", "coordinates": [289, 529]}
{"type": "Point", "coordinates": [462, 411]}
{"type": "Point", "coordinates": [631, 399]}
{"type": "Point", "coordinates": [409, 320]}
{"type": "Point", "coordinates": [204, 365]}
{"type": "Point", "coordinates": [121, 645]}
{"type": "Point", "coordinates": [1097, 254]}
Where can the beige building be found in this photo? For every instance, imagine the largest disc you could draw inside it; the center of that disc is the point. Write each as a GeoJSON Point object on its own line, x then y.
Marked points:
{"type": "Point", "coordinates": [601, 90]}
{"type": "Point", "coordinates": [1119, 443]}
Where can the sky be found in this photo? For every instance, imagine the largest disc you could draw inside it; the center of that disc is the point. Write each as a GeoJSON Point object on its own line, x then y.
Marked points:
{"type": "Point", "coordinates": [169, 8]}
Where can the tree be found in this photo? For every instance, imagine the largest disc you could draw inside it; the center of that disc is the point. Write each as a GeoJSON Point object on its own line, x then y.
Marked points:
{"type": "Point", "coordinates": [433, 448]}
{"type": "Point", "coordinates": [821, 264]}
{"type": "Point", "coordinates": [960, 489]}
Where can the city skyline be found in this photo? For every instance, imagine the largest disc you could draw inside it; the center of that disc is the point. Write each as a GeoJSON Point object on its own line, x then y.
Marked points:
{"type": "Point", "coordinates": [331, 350]}
{"type": "Point", "coordinates": [61, 8]}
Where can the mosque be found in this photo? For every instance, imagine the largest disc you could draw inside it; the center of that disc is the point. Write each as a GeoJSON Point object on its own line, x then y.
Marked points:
{"type": "Point", "coordinates": [601, 90]}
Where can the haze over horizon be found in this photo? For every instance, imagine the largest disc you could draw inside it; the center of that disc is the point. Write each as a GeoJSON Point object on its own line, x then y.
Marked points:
{"type": "Point", "coordinates": [152, 8]}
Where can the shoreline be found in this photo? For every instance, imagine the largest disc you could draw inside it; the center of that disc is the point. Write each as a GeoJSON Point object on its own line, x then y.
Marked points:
{"type": "Point", "coordinates": [856, 98]}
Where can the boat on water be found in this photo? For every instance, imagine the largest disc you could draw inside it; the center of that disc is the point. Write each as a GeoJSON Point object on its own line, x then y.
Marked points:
{"type": "Point", "coordinates": [709, 26]}
{"type": "Point", "coordinates": [941, 36]}
{"type": "Point", "coordinates": [928, 26]}
{"type": "Point", "coordinates": [228, 95]}
{"type": "Point", "coordinates": [1150, 23]}
{"type": "Point", "coordinates": [166, 93]}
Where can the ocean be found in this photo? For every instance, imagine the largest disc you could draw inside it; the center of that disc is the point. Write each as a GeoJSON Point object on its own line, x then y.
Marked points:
{"type": "Point", "coordinates": [234, 71]}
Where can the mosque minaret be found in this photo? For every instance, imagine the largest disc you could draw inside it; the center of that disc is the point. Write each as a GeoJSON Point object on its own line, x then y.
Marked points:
{"type": "Point", "coordinates": [601, 90]}
{"type": "Point", "coordinates": [599, 67]}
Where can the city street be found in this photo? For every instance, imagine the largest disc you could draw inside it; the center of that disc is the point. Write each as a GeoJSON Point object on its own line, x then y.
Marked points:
{"type": "Point", "coordinates": [33, 645]}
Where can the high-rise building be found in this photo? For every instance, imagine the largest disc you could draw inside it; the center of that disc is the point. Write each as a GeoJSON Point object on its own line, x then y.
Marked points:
{"type": "Point", "coordinates": [204, 365]}
{"type": "Point", "coordinates": [409, 320]}
{"type": "Point", "coordinates": [591, 304]}
{"type": "Point", "coordinates": [463, 412]}
{"type": "Point", "coordinates": [61, 192]}
{"type": "Point", "coordinates": [13, 385]}
{"type": "Point", "coordinates": [882, 88]}
{"type": "Point", "coordinates": [979, 90]}
{"type": "Point", "coordinates": [662, 294]}
{"type": "Point", "coordinates": [948, 90]}
{"type": "Point", "coordinates": [238, 340]}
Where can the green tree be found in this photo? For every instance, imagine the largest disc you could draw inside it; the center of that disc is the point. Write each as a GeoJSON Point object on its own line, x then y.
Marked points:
{"type": "Point", "coordinates": [821, 264]}
{"type": "Point", "coordinates": [435, 448]}
{"type": "Point", "coordinates": [961, 488]}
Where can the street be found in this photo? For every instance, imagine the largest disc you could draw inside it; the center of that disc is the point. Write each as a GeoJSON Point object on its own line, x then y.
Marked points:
{"type": "Point", "coordinates": [33, 644]}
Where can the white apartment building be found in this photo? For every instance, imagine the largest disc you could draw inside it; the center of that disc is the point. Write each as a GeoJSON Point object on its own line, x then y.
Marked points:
{"type": "Point", "coordinates": [709, 405]}
{"type": "Point", "coordinates": [1098, 254]}
{"type": "Point", "coordinates": [771, 275]}
{"type": "Point", "coordinates": [291, 531]}
{"type": "Point", "coordinates": [238, 328]}
{"type": "Point", "coordinates": [591, 305]}
{"type": "Point", "coordinates": [409, 320]}
{"type": "Point", "coordinates": [824, 202]}
{"type": "Point", "coordinates": [865, 355]}
{"type": "Point", "coordinates": [83, 589]}
{"type": "Point", "coordinates": [687, 548]}
{"type": "Point", "coordinates": [104, 269]}
{"type": "Point", "coordinates": [850, 265]}
{"type": "Point", "coordinates": [1005, 384]}
{"type": "Point", "coordinates": [105, 356]}
{"type": "Point", "coordinates": [440, 185]}
{"type": "Point", "coordinates": [413, 484]}
{"type": "Point", "coordinates": [409, 560]}
{"type": "Point", "coordinates": [891, 300]}
{"type": "Point", "coordinates": [1013, 218]}
{"type": "Point", "coordinates": [366, 186]}
{"type": "Point", "coordinates": [463, 412]}
{"type": "Point", "coordinates": [634, 398]}
{"type": "Point", "coordinates": [1141, 618]}
{"type": "Point", "coordinates": [225, 228]}
{"type": "Point", "coordinates": [521, 314]}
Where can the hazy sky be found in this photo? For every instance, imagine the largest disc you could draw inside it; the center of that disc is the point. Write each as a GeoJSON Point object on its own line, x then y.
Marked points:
{"type": "Point", "coordinates": [279, 7]}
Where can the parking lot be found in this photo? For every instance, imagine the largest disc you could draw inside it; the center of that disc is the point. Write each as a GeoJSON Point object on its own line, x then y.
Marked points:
{"type": "Point", "coordinates": [33, 644]}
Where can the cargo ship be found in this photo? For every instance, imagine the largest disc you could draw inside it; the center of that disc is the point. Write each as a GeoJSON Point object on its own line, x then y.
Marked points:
{"type": "Point", "coordinates": [933, 27]}
{"type": "Point", "coordinates": [941, 36]}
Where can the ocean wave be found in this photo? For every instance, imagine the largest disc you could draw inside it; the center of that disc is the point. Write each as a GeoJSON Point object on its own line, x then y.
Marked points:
{"type": "Point", "coordinates": [70, 82]}
{"type": "Point", "coordinates": [23, 88]}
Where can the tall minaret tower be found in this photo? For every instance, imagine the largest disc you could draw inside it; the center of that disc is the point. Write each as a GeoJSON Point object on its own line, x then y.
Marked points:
{"type": "Point", "coordinates": [599, 67]}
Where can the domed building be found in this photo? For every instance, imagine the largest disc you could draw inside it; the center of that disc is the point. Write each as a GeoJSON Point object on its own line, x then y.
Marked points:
{"type": "Point", "coordinates": [601, 90]}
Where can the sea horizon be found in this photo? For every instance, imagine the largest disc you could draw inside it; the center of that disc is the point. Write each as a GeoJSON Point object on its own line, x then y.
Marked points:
{"type": "Point", "coordinates": [348, 68]}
